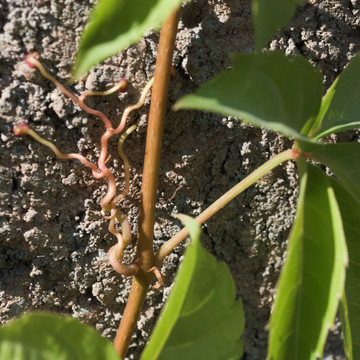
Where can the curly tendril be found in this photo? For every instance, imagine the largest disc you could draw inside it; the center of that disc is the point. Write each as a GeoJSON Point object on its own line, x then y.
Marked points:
{"type": "Point", "coordinates": [108, 203]}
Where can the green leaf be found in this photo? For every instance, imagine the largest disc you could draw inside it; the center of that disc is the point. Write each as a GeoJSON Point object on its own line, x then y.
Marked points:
{"type": "Point", "coordinates": [270, 16]}
{"type": "Point", "coordinates": [201, 319]}
{"type": "Point", "coordinates": [340, 107]}
{"type": "Point", "coordinates": [312, 280]}
{"type": "Point", "coordinates": [350, 314]}
{"type": "Point", "coordinates": [116, 24]}
{"type": "Point", "coordinates": [265, 90]}
{"type": "Point", "coordinates": [43, 336]}
{"type": "Point", "coordinates": [343, 159]}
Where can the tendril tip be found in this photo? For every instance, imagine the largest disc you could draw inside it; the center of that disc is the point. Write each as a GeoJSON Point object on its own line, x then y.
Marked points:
{"type": "Point", "coordinates": [29, 59]}
{"type": "Point", "coordinates": [21, 129]}
{"type": "Point", "coordinates": [124, 84]}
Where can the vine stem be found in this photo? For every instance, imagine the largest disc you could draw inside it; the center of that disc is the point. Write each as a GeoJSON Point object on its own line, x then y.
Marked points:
{"type": "Point", "coordinates": [145, 252]}
{"type": "Point", "coordinates": [167, 247]}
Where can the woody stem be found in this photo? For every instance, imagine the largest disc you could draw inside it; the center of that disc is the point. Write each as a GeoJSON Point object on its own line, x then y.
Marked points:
{"type": "Point", "coordinates": [145, 253]}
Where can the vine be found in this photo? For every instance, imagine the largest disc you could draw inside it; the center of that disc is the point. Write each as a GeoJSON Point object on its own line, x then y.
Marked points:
{"type": "Point", "coordinates": [202, 318]}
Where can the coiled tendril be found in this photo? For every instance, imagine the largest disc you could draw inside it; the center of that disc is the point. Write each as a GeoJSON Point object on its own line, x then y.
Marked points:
{"type": "Point", "coordinates": [109, 201]}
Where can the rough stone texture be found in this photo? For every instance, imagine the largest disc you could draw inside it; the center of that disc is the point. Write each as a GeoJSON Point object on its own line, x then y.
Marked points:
{"type": "Point", "coordinates": [53, 239]}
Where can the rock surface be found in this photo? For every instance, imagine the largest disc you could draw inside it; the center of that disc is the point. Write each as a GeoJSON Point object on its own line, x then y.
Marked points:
{"type": "Point", "coordinates": [53, 239]}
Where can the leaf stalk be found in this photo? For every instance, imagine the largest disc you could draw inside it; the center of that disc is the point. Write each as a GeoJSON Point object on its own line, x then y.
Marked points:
{"type": "Point", "coordinates": [167, 247]}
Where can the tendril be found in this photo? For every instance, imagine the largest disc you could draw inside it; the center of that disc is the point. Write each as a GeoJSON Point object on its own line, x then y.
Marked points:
{"type": "Point", "coordinates": [109, 201]}
{"type": "Point", "coordinates": [121, 86]}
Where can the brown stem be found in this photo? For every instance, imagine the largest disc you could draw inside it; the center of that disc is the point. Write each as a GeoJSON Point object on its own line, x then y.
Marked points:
{"type": "Point", "coordinates": [145, 252]}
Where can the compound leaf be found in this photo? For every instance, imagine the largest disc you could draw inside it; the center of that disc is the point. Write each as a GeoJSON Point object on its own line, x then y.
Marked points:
{"type": "Point", "coordinates": [340, 107]}
{"type": "Point", "coordinates": [350, 314]}
{"type": "Point", "coordinates": [201, 319]}
{"type": "Point", "coordinates": [270, 16]}
{"type": "Point", "coordinates": [116, 24]}
{"type": "Point", "coordinates": [43, 336]}
{"type": "Point", "coordinates": [343, 159]}
{"type": "Point", "coordinates": [265, 90]}
{"type": "Point", "coordinates": [312, 280]}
